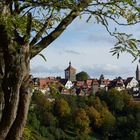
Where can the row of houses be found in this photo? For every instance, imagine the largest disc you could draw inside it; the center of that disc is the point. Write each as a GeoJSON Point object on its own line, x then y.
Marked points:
{"type": "Point", "coordinates": [69, 85]}
{"type": "Point", "coordinates": [86, 87]}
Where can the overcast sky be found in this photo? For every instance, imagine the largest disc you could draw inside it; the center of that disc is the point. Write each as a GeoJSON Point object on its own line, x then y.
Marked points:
{"type": "Point", "coordinates": [87, 46]}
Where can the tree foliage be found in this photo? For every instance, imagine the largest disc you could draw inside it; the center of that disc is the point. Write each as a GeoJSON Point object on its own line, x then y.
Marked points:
{"type": "Point", "coordinates": [107, 122]}
{"type": "Point", "coordinates": [61, 108]}
{"type": "Point", "coordinates": [81, 76]}
{"type": "Point", "coordinates": [99, 117]}
{"type": "Point", "coordinates": [35, 21]}
{"type": "Point", "coordinates": [81, 122]}
{"type": "Point", "coordinates": [94, 116]}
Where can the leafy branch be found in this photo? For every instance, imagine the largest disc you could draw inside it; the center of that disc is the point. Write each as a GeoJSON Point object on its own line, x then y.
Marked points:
{"type": "Point", "coordinates": [126, 43]}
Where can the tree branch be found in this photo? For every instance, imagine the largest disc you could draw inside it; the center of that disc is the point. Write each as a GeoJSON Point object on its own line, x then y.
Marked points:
{"type": "Point", "coordinates": [111, 17]}
{"type": "Point", "coordinates": [28, 28]}
{"type": "Point", "coordinates": [59, 29]}
{"type": "Point", "coordinates": [38, 35]}
{"type": "Point", "coordinates": [55, 34]}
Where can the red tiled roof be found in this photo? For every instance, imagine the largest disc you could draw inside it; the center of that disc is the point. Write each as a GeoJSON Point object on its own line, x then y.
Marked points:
{"type": "Point", "coordinates": [95, 82]}
{"type": "Point", "coordinates": [106, 81]}
{"type": "Point", "coordinates": [42, 82]}
{"type": "Point", "coordinates": [51, 79]}
{"type": "Point", "coordinates": [88, 82]}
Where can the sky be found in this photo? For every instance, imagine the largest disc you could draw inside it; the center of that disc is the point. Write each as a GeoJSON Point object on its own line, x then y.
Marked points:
{"type": "Point", "coordinates": [87, 46]}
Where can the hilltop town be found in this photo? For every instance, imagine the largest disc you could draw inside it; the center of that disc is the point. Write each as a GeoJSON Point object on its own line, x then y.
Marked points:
{"type": "Point", "coordinates": [69, 84]}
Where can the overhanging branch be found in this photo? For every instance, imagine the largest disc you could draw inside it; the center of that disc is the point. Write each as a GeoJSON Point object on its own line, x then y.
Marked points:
{"type": "Point", "coordinates": [39, 34]}
{"type": "Point", "coordinates": [59, 29]}
{"type": "Point", "coordinates": [53, 35]}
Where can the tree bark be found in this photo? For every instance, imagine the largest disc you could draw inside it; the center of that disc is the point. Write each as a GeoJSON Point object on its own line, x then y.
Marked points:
{"type": "Point", "coordinates": [17, 128]}
{"type": "Point", "coordinates": [1, 77]}
{"type": "Point", "coordinates": [9, 84]}
{"type": "Point", "coordinates": [9, 112]}
{"type": "Point", "coordinates": [15, 87]}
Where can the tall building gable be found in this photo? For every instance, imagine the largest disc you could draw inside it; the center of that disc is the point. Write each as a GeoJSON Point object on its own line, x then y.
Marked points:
{"type": "Point", "coordinates": [70, 73]}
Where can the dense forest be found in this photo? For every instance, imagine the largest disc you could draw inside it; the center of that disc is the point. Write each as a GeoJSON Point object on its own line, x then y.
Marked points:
{"type": "Point", "coordinates": [108, 115]}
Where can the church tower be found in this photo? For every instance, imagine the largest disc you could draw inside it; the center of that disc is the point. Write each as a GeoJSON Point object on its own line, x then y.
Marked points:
{"type": "Point", "coordinates": [70, 73]}
{"type": "Point", "coordinates": [137, 73]}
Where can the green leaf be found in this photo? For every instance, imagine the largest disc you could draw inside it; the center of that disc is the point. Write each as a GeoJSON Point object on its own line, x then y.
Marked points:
{"type": "Point", "coordinates": [43, 56]}
{"type": "Point", "coordinates": [89, 18]}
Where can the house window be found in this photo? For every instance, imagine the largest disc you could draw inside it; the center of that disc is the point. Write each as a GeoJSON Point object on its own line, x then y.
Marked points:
{"type": "Point", "coordinates": [67, 73]}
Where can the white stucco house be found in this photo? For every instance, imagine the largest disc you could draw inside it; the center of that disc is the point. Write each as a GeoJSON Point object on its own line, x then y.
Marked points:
{"type": "Point", "coordinates": [66, 83]}
{"type": "Point", "coordinates": [131, 82]}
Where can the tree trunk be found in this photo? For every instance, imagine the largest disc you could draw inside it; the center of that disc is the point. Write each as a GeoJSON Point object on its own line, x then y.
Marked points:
{"type": "Point", "coordinates": [14, 89]}
{"type": "Point", "coordinates": [1, 77]}
{"type": "Point", "coordinates": [16, 130]}
{"type": "Point", "coordinates": [9, 112]}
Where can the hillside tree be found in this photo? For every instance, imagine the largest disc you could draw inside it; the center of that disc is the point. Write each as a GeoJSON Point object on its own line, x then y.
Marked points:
{"type": "Point", "coordinates": [81, 76]}
{"type": "Point", "coordinates": [27, 27]}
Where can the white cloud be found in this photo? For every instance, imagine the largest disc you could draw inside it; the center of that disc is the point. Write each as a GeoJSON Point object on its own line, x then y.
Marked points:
{"type": "Point", "coordinates": [87, 46]}
{"type": "Point", "coordinates": [44, 71]}
{"type": "Point", "coordinates": [72, 52]}
{"type": "Point", "coordinates": [109, 71]}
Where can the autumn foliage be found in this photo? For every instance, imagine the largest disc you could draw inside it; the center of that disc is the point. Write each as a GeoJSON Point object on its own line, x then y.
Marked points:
{"type": "Point", "coordinates": [108, 115]}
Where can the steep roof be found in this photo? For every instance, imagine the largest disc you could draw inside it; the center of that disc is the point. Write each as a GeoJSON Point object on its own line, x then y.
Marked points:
{"type": "Point", "coordinates": [88, 82]}
{"type": "Point", "coordinates": [70, 67]}
{"type": "Point", "coordinates": [116, 83]}
{"type": "Point", "coordinates": [129, 79]}
{"type": "Point", "coordinates": [104, 81]}
{"type": "Point", "coordinates": [137, 68]}
{"type": "Point", "coordinates": [63, 81]}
